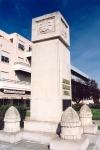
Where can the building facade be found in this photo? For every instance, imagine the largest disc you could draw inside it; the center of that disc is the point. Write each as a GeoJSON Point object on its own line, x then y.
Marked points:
{"type": "Point", "coordinates": [15, 69]}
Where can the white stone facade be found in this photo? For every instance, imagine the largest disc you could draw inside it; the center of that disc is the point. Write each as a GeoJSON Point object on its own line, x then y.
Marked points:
{"type": "Point", "coordinates": [12, 120]}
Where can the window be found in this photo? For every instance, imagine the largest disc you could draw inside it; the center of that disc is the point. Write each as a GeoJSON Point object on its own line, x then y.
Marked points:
{"type": "Point", "coordinates": [11, 40]}
{"type": "Point", "coordinates": [20, 59]}
{"type": "Point", "coordinates": [20, 77]}
{"type": "Point", "coordinates": [4, 75]}
{"type": "Point", "coordinates": [1, 36]}
{"type": "Point", "coordinates": [21, 45]}
{"type": "Point", "coordinates": [5, 57]}
{"type": "Point", "coordinates": [30, 48]}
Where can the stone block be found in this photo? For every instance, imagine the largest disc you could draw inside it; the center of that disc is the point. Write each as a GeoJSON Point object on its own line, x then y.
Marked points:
{"type": "Point", "coordinates": [50, 26]}
{"type": "Point", "coordinates": [11, 137]}
{"type": "Point", "coordinates": [94, 141]}
{"type": "Point", "coordinates": [40, 126]}
{"type": "Point", "coordinates": [39, 137]}
{"type": "Point", "coordinates": [90, 129]}
{"type": "Point", "coordinates": [59, 144]}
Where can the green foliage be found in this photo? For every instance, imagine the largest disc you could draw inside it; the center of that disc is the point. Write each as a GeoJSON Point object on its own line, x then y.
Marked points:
{"type": "Point", "coordinates": [1, 121]}
{"type": "Point", "coordinates": [22, 111]}
{"type": "Point", "coordinates": [94, 105]}
{"type": "Point", "coordinates": [3, 109]}
{"type": "Point", "coordinates": [95, 112]}
{"type": "Point", "coordinates": [96, 117]}
{"type": "Point", "coordinates": [27, 114]}
{"type": "Point", "coordinates": [77, 106]}
{"type": "Point", "coordinates": [98, 127]}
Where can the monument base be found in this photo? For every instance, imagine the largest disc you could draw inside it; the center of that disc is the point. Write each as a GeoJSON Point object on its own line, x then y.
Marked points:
{"type": "Point", "coordinates": [11, 137]}
{"type": "Point", "coordinates": [50, 127]}
{"type": "Point", "coordinates": [39, 137]}
{"type": "Point", "coordinates": [94, 141]}
{"type": "Point", "coordinates": [59, 144]}
{"type": "Point", "coordinates": [90, 129]}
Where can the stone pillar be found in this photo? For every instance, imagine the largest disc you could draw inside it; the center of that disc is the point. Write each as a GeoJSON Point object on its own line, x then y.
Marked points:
{"type": "Point", "coordinates": [12, 120]}
{"type": "Point", "coordinates": [51, 74]}
{"type": "Point", "coordinates": [70, 125]}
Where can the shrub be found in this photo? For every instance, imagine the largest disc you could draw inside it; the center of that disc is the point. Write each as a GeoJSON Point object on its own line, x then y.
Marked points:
{"type": "Point", "coordinates": [95, 106]}
{"type": "Point", "coordinates": [27, 114]}
{"type": "Point", "coordinates": [1, 121]}
{"type": "Point", "coordinates": [77, 106]}
{"type": "Point", "coordinates": [22, 111]}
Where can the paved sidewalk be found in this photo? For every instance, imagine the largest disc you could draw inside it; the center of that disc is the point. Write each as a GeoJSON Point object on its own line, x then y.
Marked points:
{"type": "Point", "coordinates": [23, 145]}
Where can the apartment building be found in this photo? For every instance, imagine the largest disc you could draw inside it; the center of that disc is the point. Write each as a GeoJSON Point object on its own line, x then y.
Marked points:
{"type": "Point", "coordinates": [15, 69]}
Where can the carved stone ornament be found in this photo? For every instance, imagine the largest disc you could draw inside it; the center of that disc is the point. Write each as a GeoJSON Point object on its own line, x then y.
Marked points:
{"type": "Point", "coordinates": [70, 125]}
{"type": "Point", "coordinates": [45, 26]}
{"type": "Point", "coordinates": [63, 29]}
{"type": "Point", "coordinates": [12, 120]}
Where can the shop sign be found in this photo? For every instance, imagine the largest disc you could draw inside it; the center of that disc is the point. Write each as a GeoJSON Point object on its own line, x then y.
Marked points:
{"type": "Point", "coordinates": [13, 91]}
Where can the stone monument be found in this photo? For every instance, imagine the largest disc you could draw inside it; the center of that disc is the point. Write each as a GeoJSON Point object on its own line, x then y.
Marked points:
{"type": "Point", "coordinates": [70, 125]}
{"type": "Point", "coordinates": [86, 120]}
{"type": "Point", "coordinates": [12, 120]}
{"type": "Point", "coordinates": [51, 75]}
{"type": "Point", "coordinates": [71, 135]}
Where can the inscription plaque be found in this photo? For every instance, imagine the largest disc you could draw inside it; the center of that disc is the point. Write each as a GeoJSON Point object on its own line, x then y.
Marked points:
{"type": "Point", "coordinates": [66, 81]}
{"type": "Point", "coordinates": [66, 93]}
{"type": "Point", "coordinates": [66, 87]}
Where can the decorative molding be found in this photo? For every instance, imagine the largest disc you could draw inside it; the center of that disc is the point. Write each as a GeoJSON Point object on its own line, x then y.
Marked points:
{"type": "Point", "coordinates": [46, 25]}
{"type": "Point", "coordinates": [63, 29]}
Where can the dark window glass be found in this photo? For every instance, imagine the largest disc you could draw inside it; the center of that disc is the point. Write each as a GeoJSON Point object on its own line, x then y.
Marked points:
{"type": "Point", "coordinates": [4, 59]}
{"type": "Point", "coordinates": [21, 46]}
{"type": "Point", "coordinates": [30, 48]}
{"type": "Point", "coordinates": [66, 103]}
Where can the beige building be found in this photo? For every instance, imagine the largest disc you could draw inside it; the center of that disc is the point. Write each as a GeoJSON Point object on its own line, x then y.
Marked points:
{"type": "Point", "coordinates": [15, 69]}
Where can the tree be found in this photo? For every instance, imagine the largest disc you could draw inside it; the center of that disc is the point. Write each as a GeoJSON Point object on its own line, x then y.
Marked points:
{"type": "Point", "coordinates": [84, 90]}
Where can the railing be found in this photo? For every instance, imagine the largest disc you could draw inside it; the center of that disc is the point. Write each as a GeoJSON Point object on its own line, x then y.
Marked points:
{"type": "Point", "coordinates": [21, 63]}
{"type": "Point", "coordinates": [14, 81]}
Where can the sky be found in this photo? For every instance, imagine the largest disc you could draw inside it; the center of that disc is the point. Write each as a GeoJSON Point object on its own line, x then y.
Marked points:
{"type": "Point", "coordinates": [83, 17]}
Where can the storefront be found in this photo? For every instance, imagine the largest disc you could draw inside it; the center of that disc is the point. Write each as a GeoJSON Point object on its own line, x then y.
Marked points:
{"type": "Point", "coordinates": [14, 97]}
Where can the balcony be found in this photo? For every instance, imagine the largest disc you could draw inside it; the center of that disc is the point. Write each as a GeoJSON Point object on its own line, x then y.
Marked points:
{"type": "Point", "coordinates": [22, 66]}
{"type": "Point", "coordinates": [15, 85]}
{"type": "Point", "coordinates": [28, 53]}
